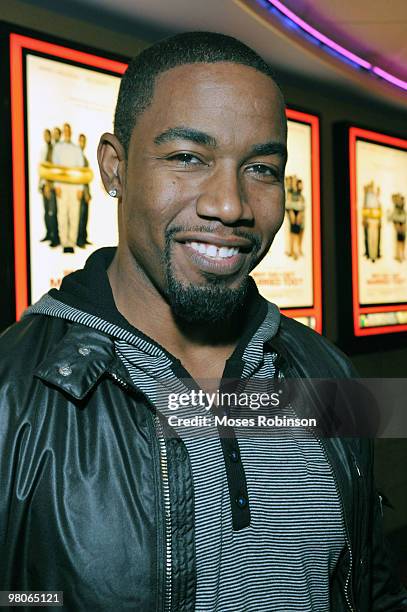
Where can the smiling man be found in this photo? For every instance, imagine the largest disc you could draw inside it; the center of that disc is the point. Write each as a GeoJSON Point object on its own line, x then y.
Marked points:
{"type": "Point", "coordinates": [106, 494]}
{"type": "Point", "coordinates": [201, 201]}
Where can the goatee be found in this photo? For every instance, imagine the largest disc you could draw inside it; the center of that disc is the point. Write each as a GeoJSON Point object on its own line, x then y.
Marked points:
{"type": "Point", "coordinates": [212, 302]}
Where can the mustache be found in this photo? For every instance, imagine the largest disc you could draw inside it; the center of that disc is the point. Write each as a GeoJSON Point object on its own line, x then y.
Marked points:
{"type": "Point", "coordinates": [210, 229]}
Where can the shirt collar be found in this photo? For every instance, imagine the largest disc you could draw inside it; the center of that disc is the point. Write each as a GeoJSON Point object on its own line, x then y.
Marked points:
{"type": "Point", "coordinates": [89, 290]}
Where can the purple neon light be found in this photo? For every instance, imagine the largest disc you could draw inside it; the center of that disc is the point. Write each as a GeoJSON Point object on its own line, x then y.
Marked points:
{"type": "Point", "coordinates": [389, 77]}
{"type": "Point", "coordinates": [321, 37]}
{"type": "Point", "coordinates": [338, 48]}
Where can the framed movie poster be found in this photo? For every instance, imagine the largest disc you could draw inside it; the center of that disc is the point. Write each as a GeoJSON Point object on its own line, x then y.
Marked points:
{"type": "Point", "coordinates": [290, 274]}
{"type": "Point", "coordinates": [378, 192]}
{"type": "Point", "coordinates": [62, 100]}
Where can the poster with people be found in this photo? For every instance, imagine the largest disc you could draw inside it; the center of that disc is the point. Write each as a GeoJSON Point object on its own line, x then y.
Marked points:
{"type": "Point", "coordinates": [286, 275]}
{"type": "Point", "coordinates": [379, 228]}
{"type": "Point", "coordinates": [70, 214]}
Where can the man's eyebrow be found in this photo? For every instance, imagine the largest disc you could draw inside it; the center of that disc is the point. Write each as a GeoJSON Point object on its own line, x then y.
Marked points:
{"type": "Point", "coordinates": [185, 133]}
{"type": "Point", "coordinates": [269, 148]}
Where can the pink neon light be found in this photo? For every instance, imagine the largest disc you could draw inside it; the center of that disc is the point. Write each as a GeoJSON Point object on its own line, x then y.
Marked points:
{"type": "Point", "coordinates": [319, 36]}
{"type": "Point", "coordinates": [338, 48]}
{"type": "Point", "coordinates": [389, 77]}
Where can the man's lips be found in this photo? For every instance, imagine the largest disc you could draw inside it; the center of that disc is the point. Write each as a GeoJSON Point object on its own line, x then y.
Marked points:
{"type": "Point", "coordinates": [217, 240]}
{"type": "Point", "coordinates": [214, 254]}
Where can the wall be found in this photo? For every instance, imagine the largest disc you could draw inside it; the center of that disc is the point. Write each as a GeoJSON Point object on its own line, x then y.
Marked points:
{"type": "Point", "coordinates": [335, 106]}
{"type": "Point", "coordinates": [70, 28]}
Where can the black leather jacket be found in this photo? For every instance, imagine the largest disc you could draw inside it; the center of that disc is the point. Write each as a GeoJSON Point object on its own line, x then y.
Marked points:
{"type": "Point", "coordinates": [93, 503]}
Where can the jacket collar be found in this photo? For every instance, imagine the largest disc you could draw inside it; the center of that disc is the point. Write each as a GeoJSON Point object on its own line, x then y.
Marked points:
{"type": "Point", "coordinates": [79, 361]}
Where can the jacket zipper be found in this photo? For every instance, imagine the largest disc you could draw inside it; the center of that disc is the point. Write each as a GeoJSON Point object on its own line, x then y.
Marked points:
{"type": "Point", "coordinates": [167, 512]}
{"type": "Point", "coordinates": [347, 538]}
{"type": "Point", "coordinates": [166, 496]}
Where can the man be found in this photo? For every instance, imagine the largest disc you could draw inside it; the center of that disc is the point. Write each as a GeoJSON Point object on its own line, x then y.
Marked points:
{"type": "Point", "coordinates": [296, 218]}
{"type": "Point", "coordinates": [105, 495]}
{"type": "Point", "coordinates": [48, 195]}
{"type": "Point", "coordinates": [398, 217]}
{"type": "Point", "coordinates": [68, 155]}
{"type": "Point", "coordinates": [372, 213]}
{"type": "Point", "coordinates": [82, 239]}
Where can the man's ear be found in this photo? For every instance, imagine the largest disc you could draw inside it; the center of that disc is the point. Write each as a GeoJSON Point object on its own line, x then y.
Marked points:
{"type": "Point", "coordinates": [111, 159]}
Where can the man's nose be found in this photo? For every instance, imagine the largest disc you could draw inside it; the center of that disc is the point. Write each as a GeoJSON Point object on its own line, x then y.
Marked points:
{"type": "Point", "coordinates": [223, 198]}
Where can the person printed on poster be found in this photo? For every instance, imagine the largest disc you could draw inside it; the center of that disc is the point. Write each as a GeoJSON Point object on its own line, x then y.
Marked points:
{"type": "Point", "coordinates": [398, 217]}
{"type": "Point", "coordinates": [371, 220]}
{"type": "Point", "coordinates": [295, 207]}
{"type": "Point", "coordinates": [66, 199]}
{"type": "Point", "coordinates": [289, 182]}
{"type": "Point", "coordinates": [48, 195]}
{"type": "Point", "coordinates": [68, 155]}
{"type": "Point", "coordinates": [82, 240]}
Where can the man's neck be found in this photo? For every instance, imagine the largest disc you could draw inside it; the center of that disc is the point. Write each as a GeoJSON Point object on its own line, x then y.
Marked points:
{"type": "Point", "coordinates": [198, 346]}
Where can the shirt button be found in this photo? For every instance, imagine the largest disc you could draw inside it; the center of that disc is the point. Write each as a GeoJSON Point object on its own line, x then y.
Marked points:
{"type": "Point", "coordinates": [234, 456]}
{"type": "Point", "coordinates": [241, 501]}
{"type": "Point", "coordinates": [84, 350]}
{"type": "Point", "coordinates": [65, 370]}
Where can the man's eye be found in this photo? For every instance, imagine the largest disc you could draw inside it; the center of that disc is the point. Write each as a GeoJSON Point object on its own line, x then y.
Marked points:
{"type": "Point", "coordinates": [263, 170]}
{"type": "Point", "coordinates": [185, 159]}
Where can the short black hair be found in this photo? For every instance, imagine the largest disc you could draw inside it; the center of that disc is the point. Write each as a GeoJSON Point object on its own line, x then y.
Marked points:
{"type": "Point", "coordinates": [137, 85]}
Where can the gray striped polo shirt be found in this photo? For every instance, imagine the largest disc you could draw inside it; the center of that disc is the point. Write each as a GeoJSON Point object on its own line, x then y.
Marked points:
{"type": "Point", "coordinates": [282, 560]}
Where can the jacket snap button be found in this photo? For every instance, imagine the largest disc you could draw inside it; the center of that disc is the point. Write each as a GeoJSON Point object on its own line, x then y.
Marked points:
{"type": "Point", "coordinates": [65, 370]}
{"type": "Point", "coordinates": [83, 350]}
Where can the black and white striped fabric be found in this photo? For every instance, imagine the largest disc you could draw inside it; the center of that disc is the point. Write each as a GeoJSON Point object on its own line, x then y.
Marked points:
{"type": "Point", "coordinates": [284, 559]}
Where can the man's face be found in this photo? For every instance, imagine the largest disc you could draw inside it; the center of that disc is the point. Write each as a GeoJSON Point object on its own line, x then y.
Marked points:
{"type": "Point", "coordinates": [82, 141]}
{"type": "Point", "coordinates": [204, 193]}
{"type": "Point", "coordinates": [47, 136]}
{"type": "Point", "coordinates": [56, 134]}
{"type": "Point", "coordinates": [67, 132]}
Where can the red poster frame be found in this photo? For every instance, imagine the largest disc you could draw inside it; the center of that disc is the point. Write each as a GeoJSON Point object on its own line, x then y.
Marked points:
{"type": "Point", "coordinates": [19, 44]}
{"type": "Point", "coordinates": [356, 133]}
{"type": "Point", "coordinates": [316, 309]}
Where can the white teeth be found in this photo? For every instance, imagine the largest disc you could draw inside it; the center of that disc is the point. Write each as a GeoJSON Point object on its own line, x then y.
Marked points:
{"type": "Point", "coordinates": [210, 250]}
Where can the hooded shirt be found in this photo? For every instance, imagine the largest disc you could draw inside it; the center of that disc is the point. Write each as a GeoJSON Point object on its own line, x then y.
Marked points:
{"type": "Point", "coordinates": [268, 519]}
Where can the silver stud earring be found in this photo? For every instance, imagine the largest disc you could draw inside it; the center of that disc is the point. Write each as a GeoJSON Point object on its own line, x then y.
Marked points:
{"type": "Point", "coordinates": [113, 192]}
